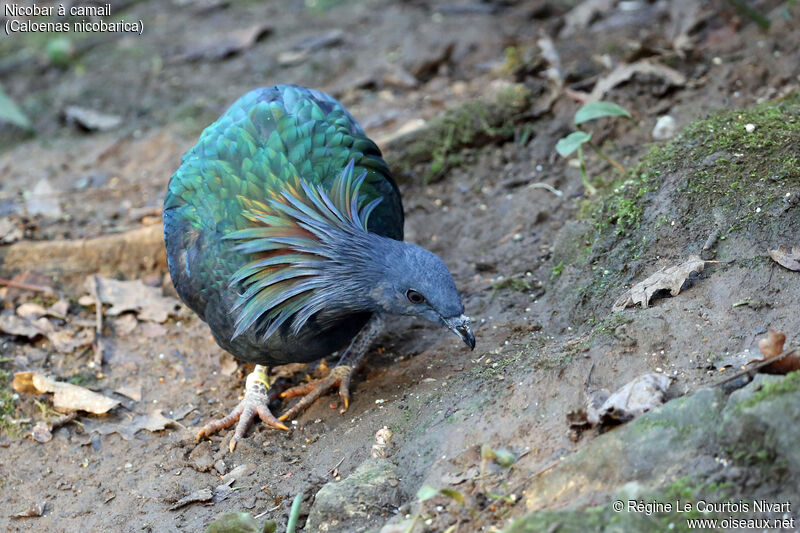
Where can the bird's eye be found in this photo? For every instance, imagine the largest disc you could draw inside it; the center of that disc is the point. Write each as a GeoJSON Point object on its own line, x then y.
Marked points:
{"type": "Point", "coordinates": [414, 297]}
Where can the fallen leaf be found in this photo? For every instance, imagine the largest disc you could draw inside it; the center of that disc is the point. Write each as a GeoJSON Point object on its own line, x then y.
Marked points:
{"type": "Point", "coordinates": [90, 120]}
{"type": "Point", "coordinates": [147, 302]}
{"type": "Point", "coordinates": [668, 278]}
{"type": "Point", "coordinates": [11, 324]}
{"type": "Point", "coordinates": [58, 309]}
{"type": "Point", "coordinates": [202, 495]}
{"type": "Point", "coordinates": [624, 72]}
{"type": "Point", "coordinates": [238, 472]}
{"type": "Point", "coordinates": [127, 429]}
{"type": "Point", "coordinates": [181, 412]}
{"type": "Point", "coordinates": [132, 391]}
{"type": "Point", "coordinates": [786, 258]}
{"type": "Point", "coordinates": [31, 311]}
{"type": "Point", "coordinates": [66, 341]}
{"type": "Point", "coordinates": [35, 510]}
{"type": "Point", "coordinates": [634, 398]}
{"type": "Point", "coordinates": [771, 347]}
{"type": "Point", "coordinates": [66, 396]}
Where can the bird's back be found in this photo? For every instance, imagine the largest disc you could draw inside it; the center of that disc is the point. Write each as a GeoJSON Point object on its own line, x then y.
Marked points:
{"type": "Point", "coordinates": [258, 147]}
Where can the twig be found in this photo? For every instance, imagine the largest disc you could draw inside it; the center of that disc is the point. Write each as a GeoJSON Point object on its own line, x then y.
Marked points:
{"type": "Point", "coordinates": [546, 186]}
{"type": "Point", "coordinates": [26, 286]}
{"type": "Point", "coordinates": [756, 367]}
{"type": "Point", "coordinates": [332, 470]}
{"type": "Point", "coordinates": [98, 315]}
{"type": "Point", "coordinates": [259, 515]}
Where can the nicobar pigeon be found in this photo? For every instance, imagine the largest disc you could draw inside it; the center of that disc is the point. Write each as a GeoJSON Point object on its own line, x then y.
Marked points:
{"type": "Point", "coordinates": [283, 228]}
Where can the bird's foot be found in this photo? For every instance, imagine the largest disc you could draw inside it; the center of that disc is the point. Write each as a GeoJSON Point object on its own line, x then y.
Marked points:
{"type": "Point", "coordinates": [254, 404]}
{"type": "Point", "coordinates": [339, 377]}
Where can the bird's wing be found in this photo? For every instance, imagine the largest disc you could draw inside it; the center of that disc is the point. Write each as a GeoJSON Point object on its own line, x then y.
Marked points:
{"type": "Point", "coordinates": [264, 144]}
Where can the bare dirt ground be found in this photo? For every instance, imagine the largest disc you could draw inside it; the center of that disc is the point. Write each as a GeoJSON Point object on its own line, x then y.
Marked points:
{"type": "Point", "coordinates": [483, 208]}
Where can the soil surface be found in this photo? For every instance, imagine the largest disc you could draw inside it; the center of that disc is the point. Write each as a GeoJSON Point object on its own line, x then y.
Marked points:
{"type": "Point", "coordinates": [503, 213]}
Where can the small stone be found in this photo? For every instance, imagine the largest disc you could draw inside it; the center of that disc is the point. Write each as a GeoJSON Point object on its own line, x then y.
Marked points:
{"type": "Point", "coordinates": [665, 128]}
{"type": "Point", "coordinates": [373, 487]}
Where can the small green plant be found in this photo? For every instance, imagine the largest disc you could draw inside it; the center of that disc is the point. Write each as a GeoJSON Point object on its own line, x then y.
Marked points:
{"type": "Point", "coordinates": [575, 140]}
{"type": "Point", "coordinates": [11, 113]}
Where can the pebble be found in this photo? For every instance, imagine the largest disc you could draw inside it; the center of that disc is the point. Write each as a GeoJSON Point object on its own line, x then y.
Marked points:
{"type": "Point", "coordinates": [665, 128]}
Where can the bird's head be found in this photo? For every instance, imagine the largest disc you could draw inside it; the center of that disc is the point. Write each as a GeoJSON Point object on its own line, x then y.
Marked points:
{"type": "Point", "coordinates": [414, 282]}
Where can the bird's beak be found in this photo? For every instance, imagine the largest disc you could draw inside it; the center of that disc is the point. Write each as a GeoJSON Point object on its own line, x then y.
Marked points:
{"type": "Point", "coordinates": [460, 326]}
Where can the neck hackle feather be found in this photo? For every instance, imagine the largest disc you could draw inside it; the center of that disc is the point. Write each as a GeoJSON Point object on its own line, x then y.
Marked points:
{"type": "Point", "coordinates": [295, 240]}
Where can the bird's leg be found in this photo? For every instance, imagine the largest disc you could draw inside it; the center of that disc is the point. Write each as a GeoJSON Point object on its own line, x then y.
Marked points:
{"type": "Point", "coordinates": [339, 376]}
{"type": "Point", "coordinates": [254, 404]}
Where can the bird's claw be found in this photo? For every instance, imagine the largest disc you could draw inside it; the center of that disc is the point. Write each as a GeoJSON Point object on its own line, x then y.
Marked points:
{"type": "Point", "coordinates": [254, 404]}
{"type": "Point", "coordinates": [339, 376]}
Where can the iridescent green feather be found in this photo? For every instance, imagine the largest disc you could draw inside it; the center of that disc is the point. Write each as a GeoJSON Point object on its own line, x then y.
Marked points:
{"type": "Point", "coordinates": [227, 185]}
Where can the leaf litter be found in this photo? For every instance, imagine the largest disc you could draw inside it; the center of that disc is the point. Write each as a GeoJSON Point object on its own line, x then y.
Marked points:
{"type": "Point", "coordinates": [787, 258]}
{"type": "Point", "coordinates": [671, 278]}
{"type": "Point", "coordinates": [633, 399]}
{"type": "Point", "coordinates": [123, 296]}
{"type": "Point", "coordinates": [778, 360]}
{"type": "Point", "coordinates": [66, 396]}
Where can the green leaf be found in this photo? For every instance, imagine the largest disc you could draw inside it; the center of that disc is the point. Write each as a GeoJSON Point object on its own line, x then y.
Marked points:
{"type": "Point", "coordinates": [426, 492]}
{"type": "Point", "coordinates": [571, 142]}
{"type": "Point", "coordinates": [453, 494]}
{"type": "Point", "coordinates": [11, 113]}
{"type": "Point", "coordinates": [595, 110]}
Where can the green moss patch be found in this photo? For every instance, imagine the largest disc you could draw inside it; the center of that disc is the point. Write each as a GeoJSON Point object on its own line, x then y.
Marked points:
{"type": "Point", "coordinates": [723, 179]}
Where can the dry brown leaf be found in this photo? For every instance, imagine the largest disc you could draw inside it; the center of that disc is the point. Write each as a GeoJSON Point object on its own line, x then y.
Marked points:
{"type": "Point", "coordinates": [31, 311]}
{"type": "Point", "coordinates": [66, 341]}
{"type": "Point", "coordinates": [668, 278]}
{"type": "Point", "coordinates": [772, 344]}
{"type": "Point", "coordinates": [787, 258]}
{"type": "Point", "coordinates": [66, 396]}
{"type": "Point", "coordinates": [147, 302]}
{"type": "Point", "coordinates": [771, 347]}
{"type": "Point", "coordinates": [624, 72]}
